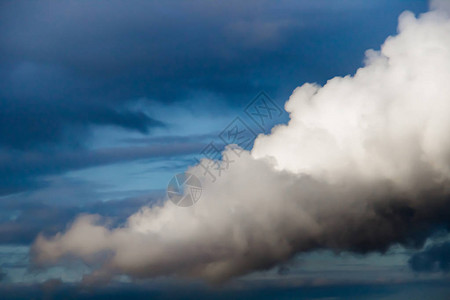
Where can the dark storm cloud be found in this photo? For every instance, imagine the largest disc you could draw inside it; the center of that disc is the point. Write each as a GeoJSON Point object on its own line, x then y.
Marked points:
{"type": "Point", "coordinates": [24, 125]}
{"type": "Point", "coordinates": [66, 65]}
{"type": "Point", "coordinates": [435, 257]}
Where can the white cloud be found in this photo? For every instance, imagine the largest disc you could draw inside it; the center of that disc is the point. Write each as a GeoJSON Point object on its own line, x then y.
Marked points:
{"type": "Point", "coordinates": [442, 5]}
{"type": "Point", "coordinates": [363, 164]}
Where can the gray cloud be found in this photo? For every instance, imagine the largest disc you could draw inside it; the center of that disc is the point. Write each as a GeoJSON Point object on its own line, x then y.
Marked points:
{"type": "Point", "coordinates": [435, 257]}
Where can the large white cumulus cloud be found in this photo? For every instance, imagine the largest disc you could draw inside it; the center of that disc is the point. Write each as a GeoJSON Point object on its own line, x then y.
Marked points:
{"type": "Point", "coordinates": [364, 163]}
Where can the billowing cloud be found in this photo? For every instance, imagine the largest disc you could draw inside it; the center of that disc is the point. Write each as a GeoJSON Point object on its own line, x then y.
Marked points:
{"type": "Point", "coordinates": [364, 163]}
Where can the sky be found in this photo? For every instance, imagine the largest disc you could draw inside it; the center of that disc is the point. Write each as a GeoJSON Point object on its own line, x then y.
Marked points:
{"type": "Point", "coordinates": [103, 102]}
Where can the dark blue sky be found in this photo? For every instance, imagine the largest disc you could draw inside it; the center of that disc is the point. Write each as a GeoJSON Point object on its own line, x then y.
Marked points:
{"type": "Point", "coordinates": [71, 69]}
{"type": "Point", "coordinates": [101, 102]}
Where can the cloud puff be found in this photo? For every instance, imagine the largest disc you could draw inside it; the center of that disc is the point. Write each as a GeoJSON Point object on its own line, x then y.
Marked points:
{"type": "Point", "coordinates": [363, 164]}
